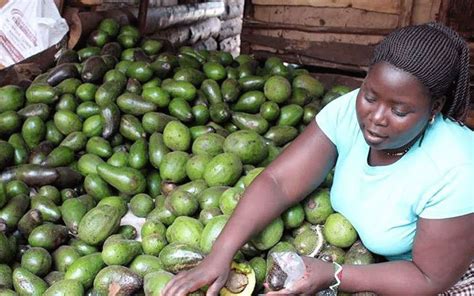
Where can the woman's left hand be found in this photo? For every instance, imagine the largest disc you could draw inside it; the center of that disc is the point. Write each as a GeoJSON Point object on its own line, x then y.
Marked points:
{"type": "Point", "coordinates": [319, 275]}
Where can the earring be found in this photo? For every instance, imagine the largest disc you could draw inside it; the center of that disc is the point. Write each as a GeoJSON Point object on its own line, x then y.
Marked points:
{"type": "Point", "coordinates": [432, 119]}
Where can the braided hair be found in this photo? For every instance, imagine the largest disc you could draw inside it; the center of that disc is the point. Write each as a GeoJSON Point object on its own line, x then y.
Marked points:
{"type": "Point", "coordinates": [437, 56]}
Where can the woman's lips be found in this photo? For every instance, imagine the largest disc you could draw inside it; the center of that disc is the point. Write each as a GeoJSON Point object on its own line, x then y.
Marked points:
{"type": "Point", "coordinates": [377, 135]}
{"type": "Point", "coordinates": [373, 137]}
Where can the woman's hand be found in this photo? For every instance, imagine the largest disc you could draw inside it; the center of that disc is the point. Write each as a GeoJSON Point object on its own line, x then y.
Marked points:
{"type": "Point", "coordinates": [319, 275]}
{"type": "Point", "coordinates": [211, 271]}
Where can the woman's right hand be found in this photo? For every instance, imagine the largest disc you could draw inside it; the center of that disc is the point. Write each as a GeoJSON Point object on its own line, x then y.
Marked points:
{"type": "Point", "coordinates": [211, 271]}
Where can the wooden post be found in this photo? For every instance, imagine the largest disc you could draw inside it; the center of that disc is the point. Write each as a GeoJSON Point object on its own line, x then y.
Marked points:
{"type": "Point", "coordinates": [405, 13]}
{"type": "Point", "coordinates": [142, 12]}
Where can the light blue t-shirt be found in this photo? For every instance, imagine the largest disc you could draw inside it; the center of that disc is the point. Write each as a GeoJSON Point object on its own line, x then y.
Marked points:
{"type": "Point", "coordinates": [433, 180]}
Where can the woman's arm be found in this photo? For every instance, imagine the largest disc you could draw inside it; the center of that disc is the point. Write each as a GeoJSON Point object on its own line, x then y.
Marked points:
{"type": "Point", "coordinates": [300, 168]}
{"type": "Point", "coordinates": [292, 176]}
{"type": "Point", "coordinates": [442, 252]}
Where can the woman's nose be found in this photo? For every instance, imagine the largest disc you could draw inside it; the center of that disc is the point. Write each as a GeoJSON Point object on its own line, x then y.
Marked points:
{"type": "Point", "coordinates": [378, 116]}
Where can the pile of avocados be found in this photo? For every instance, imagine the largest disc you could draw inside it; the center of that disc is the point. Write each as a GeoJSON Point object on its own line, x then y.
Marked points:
{"type": "Point", "coordinates": [125, 125]}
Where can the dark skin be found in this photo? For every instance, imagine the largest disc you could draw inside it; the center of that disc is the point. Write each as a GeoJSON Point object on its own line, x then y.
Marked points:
{"type": "Point", "coordinates": [393, 109]}
{"type": "Point", "coordinates": [391, 122]}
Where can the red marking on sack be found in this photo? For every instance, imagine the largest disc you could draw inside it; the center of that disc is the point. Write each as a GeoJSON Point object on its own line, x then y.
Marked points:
{"type": "Point", "coordinates": [17, 17]}
{"type": "Point", "coordinates": [10, 48]}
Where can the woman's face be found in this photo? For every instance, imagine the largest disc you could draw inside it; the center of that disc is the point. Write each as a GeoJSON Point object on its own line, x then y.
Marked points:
{"type": "Point", "coordinates": [392, 107]}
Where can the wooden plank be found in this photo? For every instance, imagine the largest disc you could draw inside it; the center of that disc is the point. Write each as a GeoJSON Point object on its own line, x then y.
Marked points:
{"type": "Point", "coordinates": [91, 2]}
{"type": "Point", "coordinates": [142, 12]}
{"type": "Point", "coordinates": [329, 17]}
{"type": "Point", "coordinates": [244, 47]}
{"type": "Point", "coordinates": [341, 53]}
{"type": "Point", "coordinates": [425, 11]}
{"type": "Point", "coordinates": [329, 80]}
{"type": "Point", "coordinates": [253, 24]}
{"type": "Point", "coordinates": [262, 48]}
{"type": "Point", "coordinates": [406, 13]}
{"type": "Point", "coordinates": [386, 6]}
{"type": "Point", "coordinates": [461, 17]}
{"type": "Point", "coordinates": [320, 37]}
{"type": "Point", "coordinates": [443, 11]}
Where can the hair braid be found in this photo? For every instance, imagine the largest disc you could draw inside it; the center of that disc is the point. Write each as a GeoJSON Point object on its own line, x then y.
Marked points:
{"type": "Point", "coordinates": [460, 105]}
{"type": "Point", "coordinates": [437, 56]}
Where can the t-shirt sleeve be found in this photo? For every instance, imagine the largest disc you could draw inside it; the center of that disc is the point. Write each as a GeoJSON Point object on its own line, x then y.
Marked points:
{"type": "Point", "coordinates": [453, 197]}
{"type": "Point", "coordinates": [337, 119]}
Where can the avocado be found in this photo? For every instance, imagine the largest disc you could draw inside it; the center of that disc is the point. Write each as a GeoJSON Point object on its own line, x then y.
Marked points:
{"type": "Point", "coordinates": [121, 279]}
{"type": "Point", "coordinates": [241, 281]}
{"type": "Point", "coordinates": [211, 231]}
{"type": "Point", "coordinates": [125, 179]}
{"type": "Point", "coordinates": [155, 282]}
{"type": "Point", "coordinates": [65, 288]}
{"type": "Point", "coordinates": [358, 254]}
{"type": "Point", "coordinates": [248, 145]}
{"type": "Point", "coordinates": [177, 257]}
{"type": "Point", "coordinates": [223, 169]}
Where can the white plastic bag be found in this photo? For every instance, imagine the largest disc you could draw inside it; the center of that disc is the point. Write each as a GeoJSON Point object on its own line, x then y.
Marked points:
{"type": "Point", "coordinates": [137, 222]}
{"type": "Point", "coordinates": [28, 27]}
{"type": "Point", "coordinates": [287, 268]}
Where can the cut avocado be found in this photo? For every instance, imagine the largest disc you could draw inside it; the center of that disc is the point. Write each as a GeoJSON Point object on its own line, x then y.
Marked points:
{"type": "Point", "coordinates": [241, 281]}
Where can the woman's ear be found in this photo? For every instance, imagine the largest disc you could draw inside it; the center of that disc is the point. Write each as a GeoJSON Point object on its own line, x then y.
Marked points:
{"type": "Point", "coordinates": [438, 105]}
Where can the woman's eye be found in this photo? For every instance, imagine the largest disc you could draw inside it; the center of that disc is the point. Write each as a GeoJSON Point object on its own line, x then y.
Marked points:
{"type": "Point", "coordinates": [399, 113]}
{"type": "Point", "coordinates": [369, 99]}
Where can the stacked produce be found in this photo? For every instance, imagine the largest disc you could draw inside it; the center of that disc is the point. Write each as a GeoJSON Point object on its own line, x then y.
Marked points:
{"type": "Point", "coordinates": [120, 126]}
{"type": "Point", "coordinates": [231, 27]}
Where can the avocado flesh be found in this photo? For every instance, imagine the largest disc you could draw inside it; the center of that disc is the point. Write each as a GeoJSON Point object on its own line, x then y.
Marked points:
{"type": "Point", "coordinates": [241, 281]}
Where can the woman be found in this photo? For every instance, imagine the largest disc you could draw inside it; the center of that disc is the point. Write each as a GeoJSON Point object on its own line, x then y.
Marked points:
{"type": "Point", "coordinates": [404, 167]}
